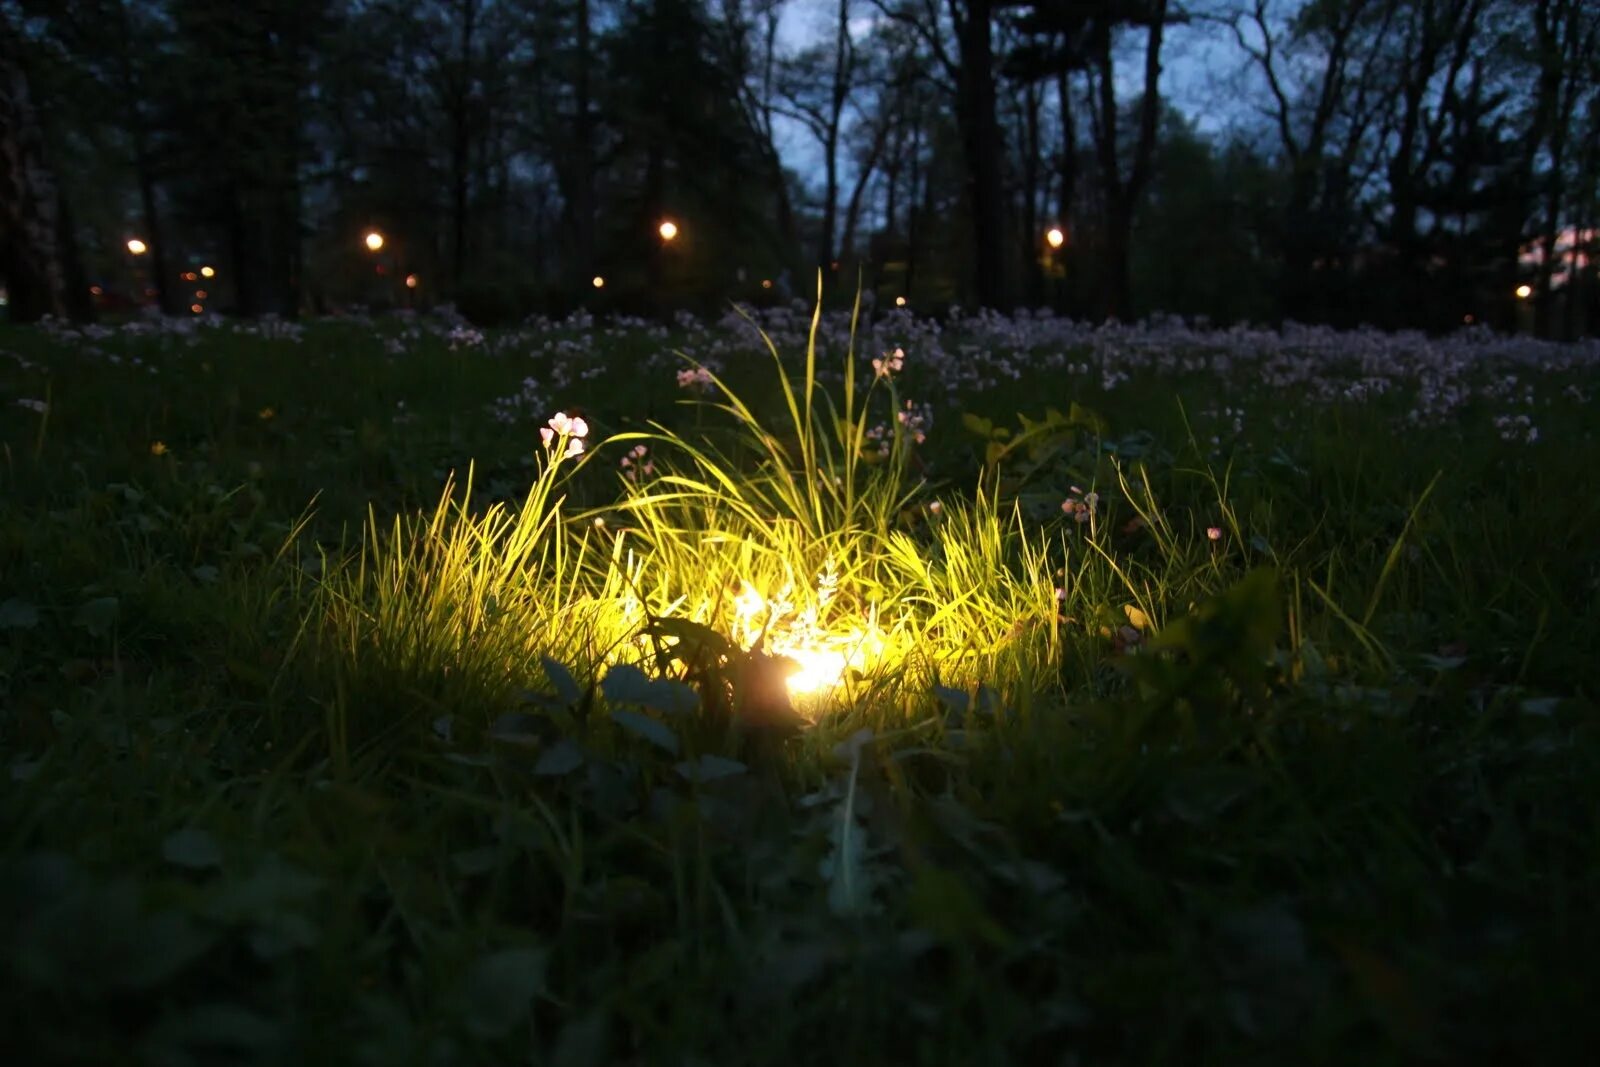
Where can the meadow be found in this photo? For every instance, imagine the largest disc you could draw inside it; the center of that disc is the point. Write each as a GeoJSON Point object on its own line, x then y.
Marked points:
{"type": "Point", "coordinates": [850, 687]}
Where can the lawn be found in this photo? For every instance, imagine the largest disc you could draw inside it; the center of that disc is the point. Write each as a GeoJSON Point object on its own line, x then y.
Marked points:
{"type": "Point", "coordinates": [858, 690]}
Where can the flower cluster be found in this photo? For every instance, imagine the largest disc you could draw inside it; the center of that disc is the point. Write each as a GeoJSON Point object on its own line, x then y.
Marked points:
{"type": "Point", "coordinates": [634, 464]}
{"type": "Point", "coordinates": [1080, 505]}
{"type": "Point", "coordinates": [891, 363]}
{"type": "Point", "coordinates": [695, 378]}
{"type": "Point", "coordinates": [570, 429]}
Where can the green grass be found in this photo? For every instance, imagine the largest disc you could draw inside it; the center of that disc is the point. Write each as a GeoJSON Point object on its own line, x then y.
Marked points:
{"type": "Point", "coordinates": [322, 741]}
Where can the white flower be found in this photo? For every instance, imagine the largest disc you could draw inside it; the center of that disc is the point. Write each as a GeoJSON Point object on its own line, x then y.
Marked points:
{"type": "Point", "coordinates": [573, 428]}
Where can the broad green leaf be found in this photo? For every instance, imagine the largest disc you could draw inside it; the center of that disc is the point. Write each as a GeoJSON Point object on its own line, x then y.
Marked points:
{"type": "Point", "coordinates": [18, 615]}
{"type": "Point", "coordinates": [559, 759]}
{"type": "Point", "coordinates": [192, 847]}
{"type": "Point", "coordinates": [97, 615]}
{"type": "Point", "coordinates": [710, 768]}
{"type": "Point", "coordinates": [566, 686]}
{"type": "Point", "coordinates": [652, 730]}
{"type": "Point", "coordinates": [500, 988]}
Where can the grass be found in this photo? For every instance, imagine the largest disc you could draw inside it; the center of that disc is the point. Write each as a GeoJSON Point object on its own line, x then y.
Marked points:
{"type": "Point", "coordinates": [346, 722]}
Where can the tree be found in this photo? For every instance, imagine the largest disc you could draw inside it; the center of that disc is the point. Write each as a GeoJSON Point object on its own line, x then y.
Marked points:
{"type": "Point", "coordinates": [34, 256]}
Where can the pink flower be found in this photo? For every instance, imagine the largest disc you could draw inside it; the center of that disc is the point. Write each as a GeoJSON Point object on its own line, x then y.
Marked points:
{"type": "Point", "coordinates": [573, 428]}
{"type": "Point", "coordinates": [1214, 533]}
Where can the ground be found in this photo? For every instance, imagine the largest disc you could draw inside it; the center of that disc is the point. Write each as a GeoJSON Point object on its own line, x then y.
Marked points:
{"type": "Point", "coordinates": [1200, 696]}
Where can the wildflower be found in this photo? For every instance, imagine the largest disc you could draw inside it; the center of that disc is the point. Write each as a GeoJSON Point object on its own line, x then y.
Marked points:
{"type": "Point", "coordinates": [1214, 533]}
{"type": "Point", "coordinates": [935, 507]}
{"type": "Point", "coordinates": [158, 448]}
{"type": "Point", "coordinates": [573, 428]}
{"type": "Point", "coordinates": [634, 463]}
{"type": "Point", "coordinates": [695, 378]}
{"type": "Point", "coordinates": [887, 366]}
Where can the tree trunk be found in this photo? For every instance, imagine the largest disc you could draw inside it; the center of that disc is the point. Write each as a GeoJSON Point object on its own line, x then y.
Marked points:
{"type": "Point", "coordinates": [982, 147]}
{"type": "Point", "coordinates": [32, 257]}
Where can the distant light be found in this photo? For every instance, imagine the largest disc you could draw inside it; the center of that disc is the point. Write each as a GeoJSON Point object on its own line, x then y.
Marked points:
{"type": "Point", "coordinates": [899, 301]}
{"type": "Point", "coordinates": [668, 230]}
{"type": "Point", "coordinates": [149, 292]}
{"type": "Point", "coordinates": [199, 294]}
{"type": "Point", "coordinates": [137, 247]}
{"type": "Point", "coordinates": [96, 290]}
{"type": "Point", "coordinates": [196, 308]}
{"type": "Point", "coordinates": [412, 281]}
{"type": "Point", "coordinates": [1524, 291]}
{"type": "Point", "coordinates": [598, 282]}
{"type": "Point", "coordinates": [207, 272]}
{"type": "Point", "coordinates": [1055, 237]}
{"type": "Point", "coordinates": [190, 276]}
{"type": "Point", "coordinates": [766, 283]}
{"type": "Point", "coordinates": [1468, 319]}
{"type": "Point", "coordinates": [374, 240]}
{"type": "Point", "coordinates": [834, 265]}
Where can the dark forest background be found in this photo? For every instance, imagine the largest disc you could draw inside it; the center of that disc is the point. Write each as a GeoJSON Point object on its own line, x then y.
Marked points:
{"type": "Point", "coordinates": [1406, 163]}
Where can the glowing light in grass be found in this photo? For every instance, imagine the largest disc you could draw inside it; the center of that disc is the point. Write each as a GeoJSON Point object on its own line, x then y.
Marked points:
{"type": "Point", "coordinates": [1524, 291]}
{"type": "Point", "coordinates": [1055, 237]}
{"type": "Point", "coordinates": [668, 230]}
{"type": "Point", "coordinates": [822, 655]}
{"type": "Point", "coordinates": [374, 240]}
{"type": "Point", "coordinates": [137, 247]}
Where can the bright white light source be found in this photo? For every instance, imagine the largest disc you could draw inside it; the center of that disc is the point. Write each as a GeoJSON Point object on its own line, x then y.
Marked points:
{"type": "Point", "coordinates": [668, 230]}
{"type": "Point", "coordinates": [598, 282]}
{"type": "Point", "coordinates": [374, 240]}
{"type": "Point", "coordinates": [137, 247]}
{"type": "Point", "coordinates": [1524, 291]}
{"type": "Point", "coordinates": [207, 272]}
{"type": "Point", "coordinates": [1055, 237]}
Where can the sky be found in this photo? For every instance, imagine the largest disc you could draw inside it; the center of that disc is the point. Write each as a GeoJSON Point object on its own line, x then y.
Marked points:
{"type": "Point", "coordinates": [1200, 73]}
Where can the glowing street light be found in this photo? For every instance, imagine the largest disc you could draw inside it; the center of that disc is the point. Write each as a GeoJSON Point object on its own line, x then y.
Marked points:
{"type": "Point", "coordinates": [207, 272]}
{"type": "Point", "coordinates": [137, 247]}
{"type": "Point", "coordinates": [1524, 291]}
{"type": "Point", "coordinates": [374, 240]}
{"type": "Point", "coordinates": [668, 230]}
{"type": "Point", "coordinates": [598, 282]}
{"type": "Point", "coordinates": [1055, 237]}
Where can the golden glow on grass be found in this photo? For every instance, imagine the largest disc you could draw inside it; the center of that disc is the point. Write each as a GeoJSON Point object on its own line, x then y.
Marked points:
{"type": "Point", "coordinates": [822, 654]}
